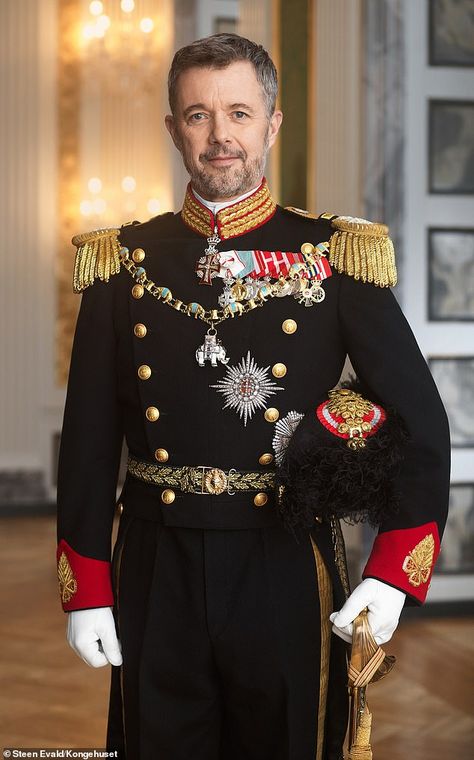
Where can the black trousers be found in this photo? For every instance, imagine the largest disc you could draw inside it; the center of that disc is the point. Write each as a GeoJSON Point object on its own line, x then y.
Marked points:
{"type": "Point", "coordinates": [227, 650]}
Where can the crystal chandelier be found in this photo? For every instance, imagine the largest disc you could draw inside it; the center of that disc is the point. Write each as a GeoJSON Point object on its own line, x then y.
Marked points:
{"type": "Point", "coordinates": [121, 46]}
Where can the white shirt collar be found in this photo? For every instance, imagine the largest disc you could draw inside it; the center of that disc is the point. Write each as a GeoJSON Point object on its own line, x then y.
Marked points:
{"type": "Point", "coordinates": [215, 207]}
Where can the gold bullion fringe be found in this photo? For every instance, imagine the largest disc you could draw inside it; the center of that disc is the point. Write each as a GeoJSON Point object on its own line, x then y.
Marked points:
{"type": "Point", "coordinates": [363, 250]}
{"type": "Point", "coordinates": [325, 603]}
{"type": "Point", "coordinates": [97, 256]}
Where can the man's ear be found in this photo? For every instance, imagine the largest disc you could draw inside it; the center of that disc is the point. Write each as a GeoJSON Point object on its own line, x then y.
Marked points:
{"type": "Point", "coordinates": [274, 126]}
{"type": "Point", "coordinates": [171, 127]}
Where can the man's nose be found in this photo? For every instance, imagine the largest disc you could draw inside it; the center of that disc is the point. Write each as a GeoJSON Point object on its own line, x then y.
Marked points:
{"type": "Point", "coordinates": [220, 132]}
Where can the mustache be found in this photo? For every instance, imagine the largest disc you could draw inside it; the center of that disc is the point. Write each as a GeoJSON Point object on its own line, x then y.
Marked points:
{"type": "Point", "coordinates": [222, 152]}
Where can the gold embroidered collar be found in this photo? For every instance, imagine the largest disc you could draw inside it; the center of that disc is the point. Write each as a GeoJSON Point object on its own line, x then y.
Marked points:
{"type": "Point", "coordinates": [233, 220]}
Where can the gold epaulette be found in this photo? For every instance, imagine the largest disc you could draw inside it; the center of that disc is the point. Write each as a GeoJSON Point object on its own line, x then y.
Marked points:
{"type": "Point", "coordinates": [363, 250]}
{"type": "Point", "coordinates": [358, 248]}
{"type": "Point", "coordinates": [97, 256]}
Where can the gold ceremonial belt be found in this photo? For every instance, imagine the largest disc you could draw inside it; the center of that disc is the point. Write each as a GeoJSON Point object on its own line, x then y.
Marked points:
{"type": "Point", "coordinates": [202, 480]}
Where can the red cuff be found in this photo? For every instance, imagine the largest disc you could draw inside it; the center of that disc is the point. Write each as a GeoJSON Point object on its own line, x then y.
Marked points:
{"type": "Point", "coordinates": [83, 581]}
{"type": "Point", "coordinates": [405, 559]}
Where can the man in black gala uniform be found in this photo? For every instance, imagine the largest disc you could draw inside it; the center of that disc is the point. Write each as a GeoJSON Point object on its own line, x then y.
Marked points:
{"type": "Point", "coordinates": [206, 337]}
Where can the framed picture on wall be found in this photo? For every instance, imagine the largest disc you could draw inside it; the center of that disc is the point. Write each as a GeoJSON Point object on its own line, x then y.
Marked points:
{"type": "Point", "coordinates": [451, 146]}
{"type": "Point", "coordinates": [457, 549]}
{"type": "Point", "coordinates": [451, 33]}
{"type": "Point", "coordinates": [450, 274]}
{"type": "Point", "coordinates": [454, 376]}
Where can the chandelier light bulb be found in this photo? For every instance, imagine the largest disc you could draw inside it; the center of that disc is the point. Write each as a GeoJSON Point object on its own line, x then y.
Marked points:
{"type": "Point", "coordinates": [147, 25]}
{"type": "Point", "coordinates": [129, 184]}
{"type": "Point", "coordinates": [154, 206]}
{"type": "Point", "coordinates": [89, 31]}
{"type": "Point", "coordinates": [99, 206]}
{"type": "Point", "coordinates": [103, 23]}
{"type": "Point", "coordinates": [86, 208]}
{"type": "Point", "coordinates": [96, 8]}
{"type": "Point", "coordinates": [127, 6]}
{"type": "Point", "coordinates": [94, 185]}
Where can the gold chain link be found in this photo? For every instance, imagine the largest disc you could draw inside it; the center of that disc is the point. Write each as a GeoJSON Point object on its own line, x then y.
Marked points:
{"type": "Point", "coordinates": [210, 316]}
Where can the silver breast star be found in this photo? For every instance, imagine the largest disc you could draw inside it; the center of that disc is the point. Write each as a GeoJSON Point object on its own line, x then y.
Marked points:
{"type": "Point", "coordinates": [246, 387]}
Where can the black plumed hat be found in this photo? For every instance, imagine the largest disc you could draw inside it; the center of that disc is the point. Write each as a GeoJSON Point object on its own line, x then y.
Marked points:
{"type": "Point", "coordinates": [341, 461]}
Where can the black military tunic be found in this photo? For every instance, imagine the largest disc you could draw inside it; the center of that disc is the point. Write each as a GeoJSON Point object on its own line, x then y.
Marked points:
{"type": "Point", "coordinates": [222, 614]}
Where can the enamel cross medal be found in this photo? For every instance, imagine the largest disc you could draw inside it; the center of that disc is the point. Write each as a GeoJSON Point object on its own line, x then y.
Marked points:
{"type": "Point", "coordinates": [209, 265]}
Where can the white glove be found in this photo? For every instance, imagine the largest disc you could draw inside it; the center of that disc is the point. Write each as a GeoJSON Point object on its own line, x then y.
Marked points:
{"type": "Point", "coordinates": [91, 633]}
{"type": "Point", "coordinates": [384, 602]}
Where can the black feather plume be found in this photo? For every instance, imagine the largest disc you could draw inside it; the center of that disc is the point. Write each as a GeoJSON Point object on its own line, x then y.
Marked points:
{"type": "Point", "coordinates": [321, 477]}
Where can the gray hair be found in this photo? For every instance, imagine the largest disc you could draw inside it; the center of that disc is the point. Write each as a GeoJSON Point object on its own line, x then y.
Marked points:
{"type": "Point", "coordinates": [218, 52]}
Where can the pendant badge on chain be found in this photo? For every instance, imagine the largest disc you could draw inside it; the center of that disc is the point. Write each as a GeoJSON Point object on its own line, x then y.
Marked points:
{"type": "Point", "coordinates": [209, 265]}
{"type": "Point", "coordinates": [211, 350]}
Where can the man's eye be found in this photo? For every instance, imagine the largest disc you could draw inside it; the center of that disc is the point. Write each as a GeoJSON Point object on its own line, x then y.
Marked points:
{"type": "Point", "coordinates": [240, 114]}
{"type": "Point", "coordinates": [196, 116]}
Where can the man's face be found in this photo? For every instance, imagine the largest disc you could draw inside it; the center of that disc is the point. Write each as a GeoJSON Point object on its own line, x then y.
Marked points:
{"type": "Point", "coordinates": [222, 129]}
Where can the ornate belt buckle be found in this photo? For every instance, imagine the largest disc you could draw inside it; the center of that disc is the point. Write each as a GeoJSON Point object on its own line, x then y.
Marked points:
{"type": "Point", "coordinates": [214, 480]}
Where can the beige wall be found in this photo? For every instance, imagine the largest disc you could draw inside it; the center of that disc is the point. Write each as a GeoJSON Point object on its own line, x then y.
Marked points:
{"type": "Point", "coordinates": [28, 400]}
{"type": "Point", "coordinates": [335, 129]}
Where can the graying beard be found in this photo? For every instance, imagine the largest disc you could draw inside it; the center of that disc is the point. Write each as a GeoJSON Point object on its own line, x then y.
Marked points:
{"type": "Point", "coordinates": [227, 184]}
{"type": "Point", "coordinates": [243, 181]}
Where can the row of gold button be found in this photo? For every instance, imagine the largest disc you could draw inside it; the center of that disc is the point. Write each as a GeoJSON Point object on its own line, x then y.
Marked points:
{"type": "Point", "coordinates": [144, 371]}
{"type": "Point", "coordinates": [168, 496]}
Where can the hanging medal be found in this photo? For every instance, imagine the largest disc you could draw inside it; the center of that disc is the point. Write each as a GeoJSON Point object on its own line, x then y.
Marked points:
{"type": "Point", "coordinates": [211, 350]}
{"type": "Point", "coordinates": [311, 294]}
{"type": "Point", "coordinates": [209, 265]}
{"type": "Point", "coordinates": [227, 296]}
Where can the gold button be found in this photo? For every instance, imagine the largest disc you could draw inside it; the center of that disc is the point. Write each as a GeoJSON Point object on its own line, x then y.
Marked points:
{"type": "Point", "coordinates": [137, 291]}
{"type": "Point", "coordinates": [168, 496]}
{"type": "Point", "coordinates": [271, 414]}
{"type": "Point", "coordinates": [279, 370]}
{"type": "Point", "coordinates": [260, 499]}
{"type": "Point", "coordinates": [119, 508]}
{"type": "Point", "coordinates": [144, 372]}
{"type": "Point", "coordinates": [289, 326]}
{"type": "Point", "coordinates": [265, 459]}
{"type": "Point", "coordinates": [161, 455]}
{"type": "Point", "coordinates": [140, 330]}
{"type": "Point", "coordinates": [152, 414]}
{"type": "Point", "coordinates": [307, 248]}
{"type": "Point", "coordinates": [138, 255]}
